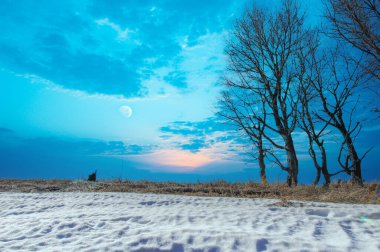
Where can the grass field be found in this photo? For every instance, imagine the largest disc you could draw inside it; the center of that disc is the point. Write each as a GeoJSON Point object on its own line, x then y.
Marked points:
{"type": "Point", "coordinates": [342, 192]}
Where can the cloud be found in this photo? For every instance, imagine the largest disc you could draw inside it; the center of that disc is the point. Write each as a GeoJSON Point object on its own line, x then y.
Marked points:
{"type": "Point", "coordinates": [176, 158]}
{"type": "Point", "coordinates": [84, 54]}
{"type": "Point", "coordinates": [76, 70]}
{"type": "Point", "coordinates": [121, 34]}
{"type": "Point", "coordinates": [371, 128]}
{"type": "Point", "coordinates": [73, 147]}
{"type": "Point", "coordinates": [211, 137]}
{"type": "Point", "coordinates": [177, 79]}
{"type": "Point", "coordinates": [35, 79]}
{"type": "Point", "coordinates": [52, 157]}
{"type": "Point", "coordinates": [126, 111]}
{"type": "Point", "coordinates": [5, 130]}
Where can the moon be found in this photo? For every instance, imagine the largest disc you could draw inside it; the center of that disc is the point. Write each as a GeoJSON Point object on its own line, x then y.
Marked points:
{"type": "Point", "coordinates": [126, 111]}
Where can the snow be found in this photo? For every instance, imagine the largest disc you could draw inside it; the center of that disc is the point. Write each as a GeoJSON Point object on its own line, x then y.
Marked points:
{"type": "Point", "coordinates": [77, 221]}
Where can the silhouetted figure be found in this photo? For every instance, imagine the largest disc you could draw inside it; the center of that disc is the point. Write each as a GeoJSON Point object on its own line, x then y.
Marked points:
{"type": "Point", "coordinates": [92, 177]}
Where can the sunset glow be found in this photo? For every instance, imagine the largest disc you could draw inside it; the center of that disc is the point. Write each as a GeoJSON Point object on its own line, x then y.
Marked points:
{"type": "Point", "coordinates": [179, 158]}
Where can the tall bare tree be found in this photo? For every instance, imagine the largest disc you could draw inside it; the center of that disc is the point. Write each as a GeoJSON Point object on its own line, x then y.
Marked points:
{"type": "Point", "coordinates": [357, 22]}
{"type": "Point", "coordinates": [336, 81]}
{"type": "Point", "coordinates": [241, 111]}
{"type": "Point", "coordinates": [263, 54]}
{"type": "Point", "coordinates": [314, 128]}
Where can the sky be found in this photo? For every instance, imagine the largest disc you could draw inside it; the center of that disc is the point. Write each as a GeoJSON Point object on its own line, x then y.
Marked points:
{"type": "Point", "coordinates": [130, 89]}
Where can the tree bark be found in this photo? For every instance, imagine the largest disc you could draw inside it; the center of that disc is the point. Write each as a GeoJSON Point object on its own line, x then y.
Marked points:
{"type": "Point", "coordinates": [324, 169]}
{"type": "Point", "coordinates": [263, 176]}
{"type": "Point", "coordinates": [317, 177]}
{"type": "Point", "coordinates": [356, 171]}
{"type": "Point", "coordinates": [321, 168]}
{"type": "Point", "coordinates": [292, 179]}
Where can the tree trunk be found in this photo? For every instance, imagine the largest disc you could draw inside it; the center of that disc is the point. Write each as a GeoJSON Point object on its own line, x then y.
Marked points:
{"type": "Point", "coordinates": [356, 174]}
{"type": "Point", "coordinates": [325, 172]}
{"type": "Point", "coordinates": [317, 177]}
{"type": "Point", "coordinates": [263, 176]}
{"type": "Point", "coordinates": [292, 161]}
{"type": "Point", "coordinates": [322, 169]}
{"type": "Point", "coordinates": [356, 171]}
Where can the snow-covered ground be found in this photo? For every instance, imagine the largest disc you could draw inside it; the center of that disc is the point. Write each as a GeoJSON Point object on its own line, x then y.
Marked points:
{"type": "Point", "coordinates": [148, 222]}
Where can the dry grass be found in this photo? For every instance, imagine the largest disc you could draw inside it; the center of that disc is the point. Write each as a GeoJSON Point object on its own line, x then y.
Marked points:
{"type": "Point", "coordinates": [337, 192]}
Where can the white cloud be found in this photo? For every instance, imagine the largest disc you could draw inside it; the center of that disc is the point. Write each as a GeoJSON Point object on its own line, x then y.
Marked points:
{"type": "Point", "coordinates": [121, 34]}
{"type": "Point", "coordinates": [49, 85]}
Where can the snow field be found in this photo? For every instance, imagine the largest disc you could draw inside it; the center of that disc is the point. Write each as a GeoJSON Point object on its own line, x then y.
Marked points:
{"type": "Point", "coordinates": [77, 221]}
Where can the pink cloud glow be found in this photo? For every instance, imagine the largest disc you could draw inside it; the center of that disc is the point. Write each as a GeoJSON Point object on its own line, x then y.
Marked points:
{"type": "Point", "coordinates": [178, 158]}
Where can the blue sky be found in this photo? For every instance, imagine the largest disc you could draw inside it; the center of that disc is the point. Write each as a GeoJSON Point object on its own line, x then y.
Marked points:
{"type": "Point", "coordinates": [128, 88]}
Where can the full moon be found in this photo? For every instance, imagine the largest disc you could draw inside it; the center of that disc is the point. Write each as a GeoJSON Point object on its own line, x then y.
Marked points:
{"type": "Point", "coordinates": [126, 111]}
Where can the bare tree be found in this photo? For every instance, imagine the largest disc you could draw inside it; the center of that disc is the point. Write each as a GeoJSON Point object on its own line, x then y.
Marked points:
{"type": "Point", "coordinates": [239, 109]}
{"type": "Point", "coordinates": [336, 80]}
{"type": "Point", "coordinates": [263, 54]}
{"type": "Point", "coordinates": [357, 22]}
{"type": "Point", "coordinates": [308, 122]}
